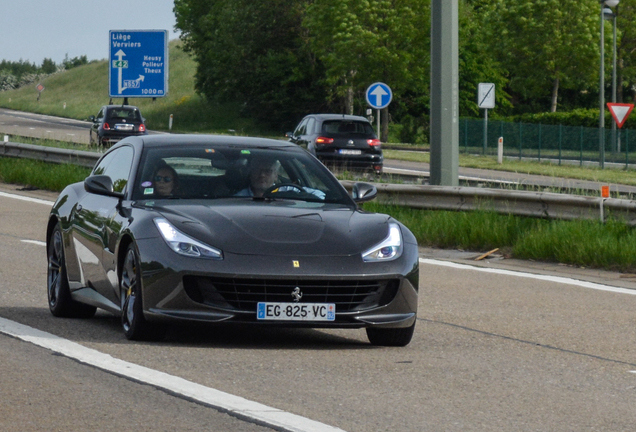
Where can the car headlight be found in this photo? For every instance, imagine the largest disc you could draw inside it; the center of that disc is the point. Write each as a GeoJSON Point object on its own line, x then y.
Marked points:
{"type": "Point", "coordinates": [184, 245]}
{"type": "Point", "coordinates": [388, 249]}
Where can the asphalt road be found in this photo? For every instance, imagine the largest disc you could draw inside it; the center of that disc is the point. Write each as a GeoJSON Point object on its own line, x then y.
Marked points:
{"type": "Point", "coordinates": [43, 126]}
{"type": "Point", "coordinates": [492, 351]}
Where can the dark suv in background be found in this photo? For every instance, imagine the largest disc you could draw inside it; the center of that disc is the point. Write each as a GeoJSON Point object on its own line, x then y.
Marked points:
{"type": "Point", "coordinates": [116, 122]}
{"type": "Point", "coordinates": [340, 140]}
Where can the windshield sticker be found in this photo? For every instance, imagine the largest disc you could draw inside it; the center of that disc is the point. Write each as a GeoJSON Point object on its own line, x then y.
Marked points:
{"type": "Point", "coordinates": [146, 184]}
{"type": "Point", "coordinates": [245, 152]}
{"type": "Point", "coordinates": [209, 150]}
{"type": "Point", "coordinates": [149, 191]}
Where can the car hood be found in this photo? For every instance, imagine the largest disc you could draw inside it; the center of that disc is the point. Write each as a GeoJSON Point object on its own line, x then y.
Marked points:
{"type": "Point", "coordinates": [278, 228]}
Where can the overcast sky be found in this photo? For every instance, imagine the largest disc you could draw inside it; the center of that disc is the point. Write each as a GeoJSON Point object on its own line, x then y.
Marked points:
{"type": "Point", "coordinates": [36, 29]}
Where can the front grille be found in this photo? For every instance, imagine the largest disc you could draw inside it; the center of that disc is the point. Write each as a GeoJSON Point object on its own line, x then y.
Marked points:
{"type": "Point", "coordinates": [244, 294]}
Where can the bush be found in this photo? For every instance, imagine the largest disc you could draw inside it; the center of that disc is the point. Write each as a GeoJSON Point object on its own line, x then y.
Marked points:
{"type": "Point", "coordinates": [577, 117]}
{"type": "Point", "coordinates": [412, 130]}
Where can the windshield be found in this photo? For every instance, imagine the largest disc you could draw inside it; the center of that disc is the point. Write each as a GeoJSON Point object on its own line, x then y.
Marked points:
{"type": "Point", "coordinates": [129, 114]}
{"type": "Point", "coordinates": [347, 127]}
{"type": "Point", "coordinates": [213, 172]}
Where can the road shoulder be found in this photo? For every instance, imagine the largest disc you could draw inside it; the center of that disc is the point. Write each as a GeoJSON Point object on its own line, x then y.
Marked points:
{"type": "Point", "coordinates": [496, 260]}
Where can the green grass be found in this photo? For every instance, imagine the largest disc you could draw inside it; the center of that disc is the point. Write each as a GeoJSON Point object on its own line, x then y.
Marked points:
{"type": "Point", "coordinates": [610, 246]}
{"type": "Point", "coordinates": [40, 175]}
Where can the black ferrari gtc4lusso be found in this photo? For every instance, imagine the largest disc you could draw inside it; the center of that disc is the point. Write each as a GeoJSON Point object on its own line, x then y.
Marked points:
{"type": "Point", "coordinates": [217, 229]}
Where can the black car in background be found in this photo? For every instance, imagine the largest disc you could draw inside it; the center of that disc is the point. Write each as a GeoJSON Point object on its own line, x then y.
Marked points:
{"type": "Point", "coordinates": [114, 123]}
{"type": "Point", "coordinates": [340, 140]}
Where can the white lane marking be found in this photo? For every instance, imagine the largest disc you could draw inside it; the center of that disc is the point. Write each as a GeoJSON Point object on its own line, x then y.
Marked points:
{"type": "Point", "coordinates": [557, 279]}
{"type": "Point", "coordinates": [37, 242]}
{"type": "Point", "coordinates": [25, 198]}
{"type": "Point", "coordinates": [238, 406]}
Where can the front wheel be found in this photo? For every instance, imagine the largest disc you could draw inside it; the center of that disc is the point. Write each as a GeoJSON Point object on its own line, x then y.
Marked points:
{"type": "Point", "coordinates": [132, 316]}
{"type": "Point", "coordinates": [390, 336]}
{"type": "Point", "coordinates": [59, 294]}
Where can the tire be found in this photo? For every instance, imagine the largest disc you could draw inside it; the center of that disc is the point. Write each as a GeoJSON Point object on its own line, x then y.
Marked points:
{"type": "Point", "coordinates": [132, 315]}
{"type": "Point", "coordinates": [397, 337]}
{"type": "Point", "coordinates": [59, 294]}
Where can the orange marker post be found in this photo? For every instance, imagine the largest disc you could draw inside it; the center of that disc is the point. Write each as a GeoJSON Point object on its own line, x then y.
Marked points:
{"type": "Point", "coordinates": [604, 195]}
{"type": "Point", "coordinates": [605, 191]}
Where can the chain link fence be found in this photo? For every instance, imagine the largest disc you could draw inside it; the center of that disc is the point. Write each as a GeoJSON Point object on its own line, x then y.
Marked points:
{"type": "Point", "coordinates": [557, 143]}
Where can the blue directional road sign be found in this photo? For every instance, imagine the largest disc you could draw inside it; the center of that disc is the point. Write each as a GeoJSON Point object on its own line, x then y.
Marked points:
{"type": "Point", "coordinates": [138, 63]}
{"type": "Point", "coordinates": [379, 95]}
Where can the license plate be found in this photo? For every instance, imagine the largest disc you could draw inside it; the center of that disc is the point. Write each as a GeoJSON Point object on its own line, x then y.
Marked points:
{"type": "Point", "coordinates": [350, 152]}
{"type": "Point", "coordinates": [124, 127]}
{"type": "Point", "coordinates": [296, 311]}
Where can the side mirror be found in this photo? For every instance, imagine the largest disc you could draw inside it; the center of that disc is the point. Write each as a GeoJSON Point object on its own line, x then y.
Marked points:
{"type": "Point", "coordinates": [92, 118]}
{"type": "Point", "coordinates": [289, 135]}
{"type": "Point", "coordinates": [101, 185]}
{"type": "Point", "coordinates": [362, 192]}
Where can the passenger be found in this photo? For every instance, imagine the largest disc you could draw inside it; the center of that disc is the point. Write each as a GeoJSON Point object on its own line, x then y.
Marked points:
{"type": "Point", "coordinates": [166, 181]}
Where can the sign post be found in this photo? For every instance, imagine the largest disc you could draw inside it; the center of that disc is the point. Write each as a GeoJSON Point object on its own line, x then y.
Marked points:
{"type": "Point", "coordinates": [138, 64]}
{"type": "Point", "coordinates": [40, 89]}
{"type": "Point", "coordinates": [486, 100]}
{"type": "Point", "coordinates": [379, 96]}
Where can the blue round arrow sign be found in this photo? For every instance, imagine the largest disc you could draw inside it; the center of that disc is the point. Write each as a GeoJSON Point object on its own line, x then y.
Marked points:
{"type": "Point", "coordinates": [379, 95]}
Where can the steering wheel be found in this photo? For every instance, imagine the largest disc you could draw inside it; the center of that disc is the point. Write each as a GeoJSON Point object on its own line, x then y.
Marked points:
{"type": "Point", "coordinates": [273, 190]}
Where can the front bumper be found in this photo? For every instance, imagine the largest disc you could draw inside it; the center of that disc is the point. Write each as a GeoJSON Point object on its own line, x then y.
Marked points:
{"type": "Point", "coordinates": [171, 293]}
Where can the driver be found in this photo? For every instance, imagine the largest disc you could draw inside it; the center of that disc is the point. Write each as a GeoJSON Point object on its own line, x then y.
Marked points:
{"type": "Point", "coordinates": [263, 175]}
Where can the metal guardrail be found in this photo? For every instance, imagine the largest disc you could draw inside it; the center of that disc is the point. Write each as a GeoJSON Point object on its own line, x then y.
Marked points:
{"type": "Point", "coordinates": [49, 154]}
{"type": "Point", "coordinates": [521, 203]}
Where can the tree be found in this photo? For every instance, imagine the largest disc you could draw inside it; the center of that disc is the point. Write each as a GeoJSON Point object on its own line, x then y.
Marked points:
{"type": "Point", "coordinates": [545, 45]}
{"type": "Point", "coordinates": [626, 50]}
{"type": "Point", "coordinates": [18, 68]}
{"type": "Point", "coordinates": [74, 62]}
{"type": "Point", "coordinates": [48, 66]}
{"type": "Point", "coordinates": [253, 53]}
{"type": "Point", "coordinates": [477, 63]}
{"type": "Point", "coordinates": [364, 41]}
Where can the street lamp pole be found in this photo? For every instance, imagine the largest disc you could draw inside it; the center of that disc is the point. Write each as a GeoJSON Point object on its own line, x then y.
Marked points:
{"type": "Point", "coordinates": [614, 143]}
{"type": "Point", "coordinates": [601, 120]}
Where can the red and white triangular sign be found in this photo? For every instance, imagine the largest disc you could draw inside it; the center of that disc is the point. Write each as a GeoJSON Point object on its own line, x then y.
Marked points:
{"type": "Point", "coordinates": [620, 112]}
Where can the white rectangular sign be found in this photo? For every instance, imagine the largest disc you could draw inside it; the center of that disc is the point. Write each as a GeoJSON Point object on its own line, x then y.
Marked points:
{"type": "Point", "coordinates": [486, 95]}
